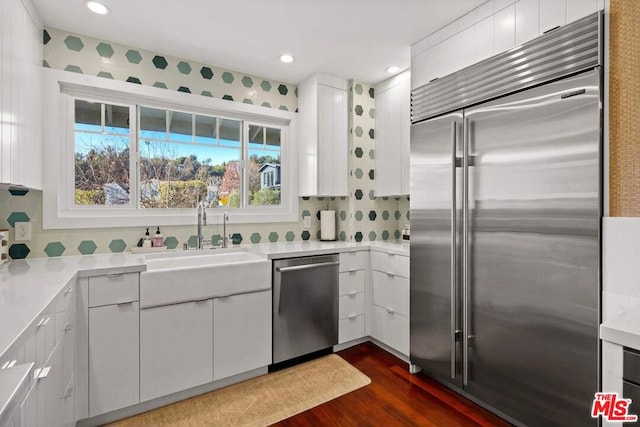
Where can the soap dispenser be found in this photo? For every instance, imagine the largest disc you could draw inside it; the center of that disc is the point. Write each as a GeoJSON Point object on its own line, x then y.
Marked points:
{"type": "Point", "coordinates": [146, 242]}
{"type": "Point", "coordinates": [158, 240]}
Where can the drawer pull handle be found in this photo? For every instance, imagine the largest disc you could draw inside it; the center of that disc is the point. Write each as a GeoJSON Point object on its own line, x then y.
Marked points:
{"type": "Point", "coordinates": [68, 327]}
{"type": "Point", "coordinates": [9, 364]}
{"type": "Point", "coordinates": [122, 304]}
{"type": "Point", "coordinates": [352, 317]}
{"type": "Point", "coordinates": [390, 274]}
{"type": "Point", "coordinates": [68, 291]}
{"type": "Point", "coordinates": [352, 272]}
{"type": "Point", "coordinates": [352, 293]}
{"type": "Point", "coordinates": [68, 392]}
{"type": "Point", "coordinates": [392, 254]}
{"type": "Point", "coordinates": [200, 301]}
{"type": "Point", "coordinates": [39, 374]}
{"type": "Point", "coordinates": [43, 322]}
{"type": "Point", "coordinates": [390, 311]}
{"type": "Point", "coordinates": [112, 276]}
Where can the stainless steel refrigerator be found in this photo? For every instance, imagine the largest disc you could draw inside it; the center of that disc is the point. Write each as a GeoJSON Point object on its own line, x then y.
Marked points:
{"type": "Point", "coordinates": [505, 237]}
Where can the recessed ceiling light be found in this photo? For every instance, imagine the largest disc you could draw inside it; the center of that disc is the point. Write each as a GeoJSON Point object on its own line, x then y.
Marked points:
{"type": "Point", "coordinates": [286, 58]}
{"type": "Point", "coordinates": [393, 69]}
{"type": "Point", "coordinates": [97, 7]}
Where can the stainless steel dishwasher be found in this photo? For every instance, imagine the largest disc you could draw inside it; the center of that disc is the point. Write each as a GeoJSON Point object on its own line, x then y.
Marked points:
{"type": "Point", "coordinates": [305, 305]}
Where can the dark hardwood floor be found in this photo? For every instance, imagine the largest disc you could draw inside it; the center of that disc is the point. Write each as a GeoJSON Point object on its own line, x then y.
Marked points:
{"type": "Point", "coordinates": [394, 398]}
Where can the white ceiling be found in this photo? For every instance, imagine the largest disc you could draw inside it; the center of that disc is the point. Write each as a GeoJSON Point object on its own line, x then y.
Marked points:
{"type": "Point", "coordinates": [355, 39]}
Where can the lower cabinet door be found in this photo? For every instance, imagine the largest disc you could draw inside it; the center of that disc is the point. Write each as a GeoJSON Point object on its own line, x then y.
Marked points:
{"type": "Point", "coordinates": [176, 348]}
{"type": "Point", "coordinates": [351, 328]}
{"type": "Point", "coordinates": [391, 328]}
{"type": "Point", "coordinates": [242, 333]}
{"type": "Point", "coordinates": [113, 357]}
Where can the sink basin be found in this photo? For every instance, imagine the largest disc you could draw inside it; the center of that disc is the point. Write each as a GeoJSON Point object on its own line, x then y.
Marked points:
{"type": "Point", "coordinates": [190, 253]}
{"type": "Point", "coordinates": [188, 259]}
{"type": "Point", "coordinates": [175, 277]}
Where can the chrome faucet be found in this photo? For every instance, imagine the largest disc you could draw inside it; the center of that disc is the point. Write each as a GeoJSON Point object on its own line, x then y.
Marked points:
{"type": "Point", "coordinates": [225, 238]}
{"type": "Point", "coordinates": [202, 220]}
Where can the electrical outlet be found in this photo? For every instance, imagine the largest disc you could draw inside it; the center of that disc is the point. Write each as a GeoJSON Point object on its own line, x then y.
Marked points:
{"type": "Point", "coordinates": [23, 231]}
{"type": "Point", "coordinates": [307, 222]}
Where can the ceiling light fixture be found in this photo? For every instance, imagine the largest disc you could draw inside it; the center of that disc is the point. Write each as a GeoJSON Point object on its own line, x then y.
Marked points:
{"type": "Point", "coordinates": [286, 58]}
{"type": "Point", "coordinates": [393, 69]}
{"type": "Point", "coordinates": [97, 7]}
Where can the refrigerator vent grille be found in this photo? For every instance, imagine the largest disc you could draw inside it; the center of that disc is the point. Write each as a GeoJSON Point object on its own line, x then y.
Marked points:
{"type": "Point", "coordinates": [567, 50]}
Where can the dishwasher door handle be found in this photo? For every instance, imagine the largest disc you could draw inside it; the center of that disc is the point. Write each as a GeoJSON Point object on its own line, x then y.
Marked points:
{"type": "Point", "coordinates": [306, 266]}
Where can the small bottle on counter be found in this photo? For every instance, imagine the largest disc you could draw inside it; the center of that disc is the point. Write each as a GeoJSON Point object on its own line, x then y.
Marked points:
{"type": "Point", "coordinates": [146, 242]}
{"type": "Point", "coordinates": [158, 240]}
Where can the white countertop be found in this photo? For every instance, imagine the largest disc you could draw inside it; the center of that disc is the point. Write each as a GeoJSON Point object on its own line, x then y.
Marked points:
{"type": "Point", "coordinates": [14, 384]}
{"type": "Point", "coordinates": [623, 330]}
{"type": "Point", "coordinates": [28, 286]}
{"type": "Point", "coordinates": [316, 247]}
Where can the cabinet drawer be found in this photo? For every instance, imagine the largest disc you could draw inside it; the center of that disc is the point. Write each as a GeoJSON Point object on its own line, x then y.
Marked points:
{"type": "Point", "coordinates": [391, 329]}
{"type": "Point", "coordinates": [391, 292]}
{"type": "Point", "coordinates": [351, 282]}
{"type": "Point", "coordinates": [351, 328]}
{"type": "Point", "coordinates": [351, 305]}
{"type": "Point", "coordinates": [390, 263]}
{"type": "Point", "coordinates": [113, 289]}
{"type": "Point", "coordinates": [353, 261]}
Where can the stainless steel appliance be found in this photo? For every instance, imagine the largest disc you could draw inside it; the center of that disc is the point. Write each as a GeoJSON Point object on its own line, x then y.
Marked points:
{"type": "Point", "coordinates": [305, 305]}
{"type": "Point", "coordinates": [505, 229]}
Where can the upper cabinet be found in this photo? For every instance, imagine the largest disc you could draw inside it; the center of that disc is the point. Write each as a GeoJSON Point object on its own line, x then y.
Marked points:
{"type": "Point", "coordinates": [323, 138]}
{"type": "Point", "coordinates": [20, 112]}
{"type": "Point", "coordinates": [393, 121]}
{"type": "Point", "coordinates": [492, 28]}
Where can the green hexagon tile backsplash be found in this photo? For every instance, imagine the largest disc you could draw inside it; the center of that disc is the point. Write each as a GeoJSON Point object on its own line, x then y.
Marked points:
{"type": "Point", "coordinates": [361, 217]}
{"type": "Point", "coordinates": [88, 55]}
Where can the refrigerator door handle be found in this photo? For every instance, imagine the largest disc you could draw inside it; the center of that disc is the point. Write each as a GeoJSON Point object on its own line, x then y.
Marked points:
{"type": "Point", "coordinates": [465, 252]}
{"type": "Point", "coordinates": [455, 162]}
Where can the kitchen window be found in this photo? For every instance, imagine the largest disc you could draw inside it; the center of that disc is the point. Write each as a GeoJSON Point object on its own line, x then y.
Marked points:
{"type": "Point", "coordinates": [131, 160]}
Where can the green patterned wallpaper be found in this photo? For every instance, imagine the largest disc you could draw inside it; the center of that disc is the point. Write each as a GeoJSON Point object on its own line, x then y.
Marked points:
{"type": "Point", "coordinates": [361, 217]}
{"type": "Point", "coordinates": [87, 55]}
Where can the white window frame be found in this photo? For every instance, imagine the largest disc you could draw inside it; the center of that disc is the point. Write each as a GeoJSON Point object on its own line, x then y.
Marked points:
{"type": "Point", "coordinates": [61, 88]}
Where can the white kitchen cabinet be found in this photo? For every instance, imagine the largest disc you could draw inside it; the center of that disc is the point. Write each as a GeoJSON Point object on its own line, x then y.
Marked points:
{"type": "Point", "coordinates": [527, 20]}
{"type": "Point", "coordinates": [391, 328]}
{"type": "Point", "coordinates": [352, 300]}
{"type": "Point", "coordinates": [504, 37]}
{"type": "Point", "coordinates": [323, 136]}
{"type": "Point", "coordinates": [176, 348]}
{"type": "Point", "coordinates": [553, 13]}
{"type": "Point", "coordinates": [241, 333]}
{"type": "Point", "coordinates": [391, 292]}
{"type": "Point", "coordinates": [20, 98]}
{"type": "Point", "coordinates": [393, 122]}
{"type": "Point", "coordinates": [114, 369]}
{"type": "Point", "coordinates": [577, 9]}
{"type": "Point", "coordinates": [390, 300]}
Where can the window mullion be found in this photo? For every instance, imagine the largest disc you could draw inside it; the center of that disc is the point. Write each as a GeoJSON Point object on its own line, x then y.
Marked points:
{"type": "Point", "coordinates": [134, 157]}
{"type": "Point", "coordinates": [244, 184]}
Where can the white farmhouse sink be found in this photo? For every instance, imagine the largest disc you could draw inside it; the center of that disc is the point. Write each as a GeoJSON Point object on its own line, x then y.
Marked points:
{"type": "Point", "coordinates": [199, 275]}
